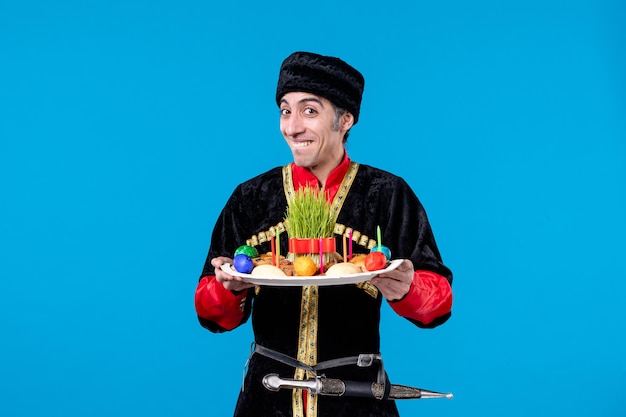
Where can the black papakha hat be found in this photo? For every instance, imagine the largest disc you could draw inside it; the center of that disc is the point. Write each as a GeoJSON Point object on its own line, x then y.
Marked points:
{"type": "Point", "coordinates": [325, 76]}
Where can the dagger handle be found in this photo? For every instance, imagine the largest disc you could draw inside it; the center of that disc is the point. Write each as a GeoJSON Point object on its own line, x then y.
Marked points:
{"type": "Point", "coordinates": [332, 387]}
{"type": "Point", "coordinates": [275, 383]}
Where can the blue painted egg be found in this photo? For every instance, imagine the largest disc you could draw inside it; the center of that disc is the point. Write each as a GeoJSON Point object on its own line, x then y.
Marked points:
{"type": "Point", "coordinates": [243, 263]}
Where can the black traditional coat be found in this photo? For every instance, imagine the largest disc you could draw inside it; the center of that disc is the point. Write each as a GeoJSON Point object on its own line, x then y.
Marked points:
{"type": "Point", "coordinates": [315, 324]}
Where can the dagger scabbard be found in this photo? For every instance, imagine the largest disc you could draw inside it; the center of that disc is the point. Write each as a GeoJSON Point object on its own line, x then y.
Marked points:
{"type": "Point", "coordinates": [338, 388]}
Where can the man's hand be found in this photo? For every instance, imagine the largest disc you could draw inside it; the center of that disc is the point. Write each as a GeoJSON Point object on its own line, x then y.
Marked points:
{"type": "Point", "coordinates": [230, 282]}
{"type": "Point", "coordinates": [395, 284]}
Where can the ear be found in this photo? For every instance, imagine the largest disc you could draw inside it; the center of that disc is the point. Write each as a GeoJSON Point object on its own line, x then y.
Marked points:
{"type": "Point", "coordinates": [347, 121]}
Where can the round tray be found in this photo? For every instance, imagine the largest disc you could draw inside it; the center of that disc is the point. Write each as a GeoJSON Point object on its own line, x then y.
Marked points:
{"type": "Point", "coordinates": [320, 280]}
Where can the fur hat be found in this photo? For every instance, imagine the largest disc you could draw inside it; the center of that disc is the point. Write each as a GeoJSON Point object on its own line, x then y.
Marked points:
{"type": "Point", "coordinates": [325, 76]}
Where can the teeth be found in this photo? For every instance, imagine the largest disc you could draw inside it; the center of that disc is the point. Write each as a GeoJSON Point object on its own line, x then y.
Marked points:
{"type": "Point", "coordinates": [302, 144]}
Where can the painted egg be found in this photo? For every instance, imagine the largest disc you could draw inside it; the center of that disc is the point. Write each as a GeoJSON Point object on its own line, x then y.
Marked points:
{"type": "Point", "coordinates": [384, 249]}
{"type": "Point", "coordinates": [375, 261]}
{"type": "Point", "coordinates": [243, 263]}
{"type": "Point", "coordinates": [247, 250]}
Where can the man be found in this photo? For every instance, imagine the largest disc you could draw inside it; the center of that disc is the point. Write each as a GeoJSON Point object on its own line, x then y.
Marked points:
{"type": "Point", "coordinates": [319, 99]}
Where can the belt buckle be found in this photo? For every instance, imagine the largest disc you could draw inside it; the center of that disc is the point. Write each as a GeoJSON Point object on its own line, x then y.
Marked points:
{"type": "Point", "coordinates": [365, 360]}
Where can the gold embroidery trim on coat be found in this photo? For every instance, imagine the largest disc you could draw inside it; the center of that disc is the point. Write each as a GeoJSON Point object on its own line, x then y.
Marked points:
{"type": "Point", "coordinates": [266, 235]}
{"type": "Point", "coordinates": [307, 350]}
{"type": "Point", "coordinates": [340, 229]}
{"type": "Point", "coordinates": [369, 288]}
{"type": "Point", "coordinates": [342, 192]}
{"type": "Point", "coordinates": [307, 333]}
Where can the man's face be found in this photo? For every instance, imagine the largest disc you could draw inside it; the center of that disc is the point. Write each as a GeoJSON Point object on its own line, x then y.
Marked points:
{"type": "Point", "coordinates": [306, 122]}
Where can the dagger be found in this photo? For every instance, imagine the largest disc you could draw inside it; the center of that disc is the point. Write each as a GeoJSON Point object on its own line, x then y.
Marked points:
{"type": "Point", "coordinates": [339, 388]}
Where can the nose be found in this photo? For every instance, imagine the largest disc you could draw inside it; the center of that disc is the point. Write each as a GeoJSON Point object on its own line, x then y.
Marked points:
{"type": "Point", "coordinates": [292, 125]}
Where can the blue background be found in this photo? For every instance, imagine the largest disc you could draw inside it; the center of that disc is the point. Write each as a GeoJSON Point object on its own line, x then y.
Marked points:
{"type": "Point", "coordinates": [125, 126]}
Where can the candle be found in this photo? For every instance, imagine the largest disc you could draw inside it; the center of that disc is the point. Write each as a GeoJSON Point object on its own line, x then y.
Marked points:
{"type": "Point", "coordinates": [277, 247]}
{"type": "Point", "coordinates": [380, 241]}
{"type": "Point", "coordinates": [345, 249]}
{"type": "Point", "coordinates": [350, 247]}
{"type": "Point", "coordinates": [273, 250]}
{"type": "Point", "coordinates": [321, 256]}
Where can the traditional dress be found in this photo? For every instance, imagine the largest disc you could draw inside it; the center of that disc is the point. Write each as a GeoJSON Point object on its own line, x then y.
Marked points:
{"type": "Point", "coordinates": [314, 324]}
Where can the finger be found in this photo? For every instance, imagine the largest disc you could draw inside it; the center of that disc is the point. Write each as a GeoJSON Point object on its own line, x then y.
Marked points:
{"type": "Point", "coordinates": [405, 266]}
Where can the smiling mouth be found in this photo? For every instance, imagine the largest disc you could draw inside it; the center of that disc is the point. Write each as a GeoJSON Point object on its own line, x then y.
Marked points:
{"type": "Point", "coordinates": [301, 144]}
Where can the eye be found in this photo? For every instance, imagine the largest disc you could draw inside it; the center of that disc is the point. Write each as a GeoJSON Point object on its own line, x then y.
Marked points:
{"type": "Point", "coordinates": [284, 112]}
{"type": "Point", "coordinates": [310, 111]}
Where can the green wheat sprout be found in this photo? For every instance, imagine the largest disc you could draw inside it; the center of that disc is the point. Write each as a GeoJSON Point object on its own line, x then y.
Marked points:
{"type": "Point", "coordinates": [309, 215]}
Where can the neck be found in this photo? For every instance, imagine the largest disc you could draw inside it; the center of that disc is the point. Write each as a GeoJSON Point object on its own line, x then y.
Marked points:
{"type": "Point", "coordinates": [322, 171]}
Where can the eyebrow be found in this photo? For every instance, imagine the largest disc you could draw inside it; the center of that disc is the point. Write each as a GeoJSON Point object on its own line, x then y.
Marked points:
{"type": "Point", "coordinates": [305, 100]}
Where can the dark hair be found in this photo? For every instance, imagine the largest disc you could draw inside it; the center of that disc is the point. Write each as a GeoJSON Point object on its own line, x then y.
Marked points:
{"type": "Point", "coordinates": [338, 113]}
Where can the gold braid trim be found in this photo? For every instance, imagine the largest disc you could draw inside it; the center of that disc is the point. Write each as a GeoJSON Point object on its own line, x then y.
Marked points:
{"type": "Point", "coordinates": [307, 335]}
{"type": "Point", "coordinates": [357, 237]}
{"type": "Point", "coordinates": [340, 229]}
{"type": "Point", "coordinates": [369, 288]}
{"type": "Point", "coordinates": [307, 349]}
{"type": "Point", "coordinates": [342, 192]}
{"type": "Point", "coordinates": [266, 235]}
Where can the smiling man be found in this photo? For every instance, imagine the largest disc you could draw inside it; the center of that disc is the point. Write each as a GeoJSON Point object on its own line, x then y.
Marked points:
{"type": "Point", "coordinates": [314, 131]}
{"type": "Point", "coordinates": [303, 331]}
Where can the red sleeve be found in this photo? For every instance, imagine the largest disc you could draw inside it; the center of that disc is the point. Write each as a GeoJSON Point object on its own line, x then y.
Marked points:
{"type": "Point", "coordinates": [219, 305]}
{"type": "Point", "coordinates": [429, 297]}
